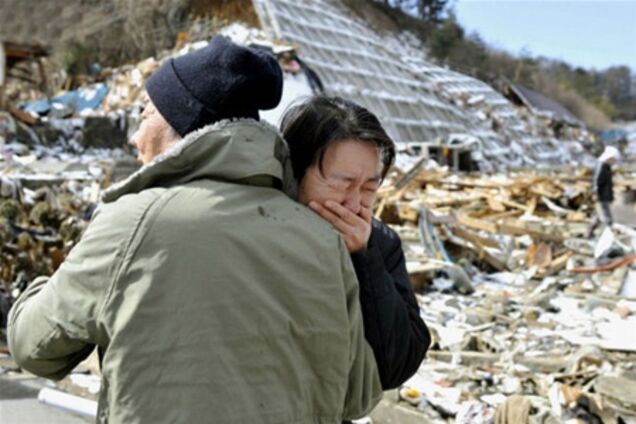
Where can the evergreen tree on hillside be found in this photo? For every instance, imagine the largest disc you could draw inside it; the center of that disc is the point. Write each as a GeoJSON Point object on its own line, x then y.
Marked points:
{"type": "Point", "coordinates": [427, 10]}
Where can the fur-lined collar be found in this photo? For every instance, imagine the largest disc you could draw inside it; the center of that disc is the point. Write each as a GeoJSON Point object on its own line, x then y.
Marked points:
{"type": "Point", "coordinates": [165, 165]}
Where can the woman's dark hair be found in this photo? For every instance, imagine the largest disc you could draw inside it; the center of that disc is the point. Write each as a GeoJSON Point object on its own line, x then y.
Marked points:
{"type": "Point", "coordinates": [318, 122]}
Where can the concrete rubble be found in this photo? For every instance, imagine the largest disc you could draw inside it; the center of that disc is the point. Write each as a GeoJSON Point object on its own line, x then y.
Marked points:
{"type": "Point", "coordinates": [38, 226]}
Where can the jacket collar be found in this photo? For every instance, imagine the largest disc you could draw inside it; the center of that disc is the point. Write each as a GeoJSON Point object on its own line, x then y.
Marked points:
{"type": "Point", "coordinates": [243, 151]}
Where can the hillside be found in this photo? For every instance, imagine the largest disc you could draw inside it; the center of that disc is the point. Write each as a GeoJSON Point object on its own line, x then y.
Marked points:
{"type": "Point", "coordinates": [113, 32]}
{"type": "Point", "coordinates": [109, 32]}
{"type": "Point", "coordinates": [596, 97]}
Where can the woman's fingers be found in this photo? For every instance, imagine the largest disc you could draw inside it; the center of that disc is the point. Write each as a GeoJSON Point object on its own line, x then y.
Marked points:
{"type": "Point", "coordinates": [330, 217]}
{"type": "Point", "coordinates": [366, 214]}
{"type": "Point", "coordinates": [344, 213]}
{"type": "Point", "coordinates": [355, 229]}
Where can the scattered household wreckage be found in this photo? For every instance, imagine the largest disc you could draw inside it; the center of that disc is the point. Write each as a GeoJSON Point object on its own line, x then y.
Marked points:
{"type": "Point", "coordinates": [454, 118]}
{"type": "Point", "coordinates": [533, 321]}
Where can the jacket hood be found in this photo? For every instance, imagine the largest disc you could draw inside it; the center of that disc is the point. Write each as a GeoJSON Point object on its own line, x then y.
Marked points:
{"type": "Point", "coordinates": [610, 152]}
{"type": "Point", "coordinates": [244, 151]}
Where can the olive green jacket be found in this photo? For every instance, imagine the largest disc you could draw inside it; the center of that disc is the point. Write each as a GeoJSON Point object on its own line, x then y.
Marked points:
{"type": "Point", "coordinates": [213, 296]}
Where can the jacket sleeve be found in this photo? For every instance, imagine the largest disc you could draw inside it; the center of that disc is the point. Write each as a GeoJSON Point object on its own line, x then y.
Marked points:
{"type": "Point", "coordinates": [392, 323]}
{"type": "Point", "coordinates": [55, 323]}
{"type": "Point", "coordinates": [364, 389]}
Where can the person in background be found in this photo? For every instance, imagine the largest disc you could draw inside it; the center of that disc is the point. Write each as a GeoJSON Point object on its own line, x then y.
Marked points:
{"type": "Point", "coordinates": [603, 187]}
{"type": "Point", "coordinates": [210, 294]}
{"type": "Point", "coordinates": [340, 154]}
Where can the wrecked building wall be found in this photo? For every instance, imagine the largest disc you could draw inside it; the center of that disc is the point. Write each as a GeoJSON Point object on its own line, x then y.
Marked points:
{"type": "Point", "coordinates": [353, 62]}
{"type": "Point", "coordinates": [416, 100]}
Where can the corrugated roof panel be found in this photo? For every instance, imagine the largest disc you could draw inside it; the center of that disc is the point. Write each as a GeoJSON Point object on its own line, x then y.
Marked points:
{"type": "Point", "coordinates": [415, 99]}
{"type": "Point", "coordinates": [353, 62]}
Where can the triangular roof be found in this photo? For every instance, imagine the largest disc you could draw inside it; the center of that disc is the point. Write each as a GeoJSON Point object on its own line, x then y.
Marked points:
{"type": "Point", "coordinates": [543, 105]}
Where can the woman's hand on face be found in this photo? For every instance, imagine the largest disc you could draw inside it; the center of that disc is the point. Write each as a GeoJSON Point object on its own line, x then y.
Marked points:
{"type": "Point", "coordinates": [354, 228]}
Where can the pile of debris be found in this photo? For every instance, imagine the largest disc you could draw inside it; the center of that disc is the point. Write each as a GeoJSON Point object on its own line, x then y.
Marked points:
{"type": "Point", "coordinates": [58, 153]}
{"type": "Point", "coordinates": [95, 121]}
{"type": "Point", "coordinates": [38, 226]}
{"type": "Point", "coordinates": [70, 125]}
{"type": "Point", "coordinates": [423, 106]}
{"type": "Point", "coordinates": [530, 317]}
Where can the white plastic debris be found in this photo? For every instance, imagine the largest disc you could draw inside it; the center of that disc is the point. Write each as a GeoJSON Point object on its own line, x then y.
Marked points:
{"type": "Point", "coordinates": [90, 382]}
{"type": "Point", "coordinates": [605, 243]}
{"type": "Point", "coordinates": [75, 404]}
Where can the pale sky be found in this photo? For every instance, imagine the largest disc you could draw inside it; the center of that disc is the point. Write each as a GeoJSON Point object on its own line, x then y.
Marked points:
{"type": "Point", "coordinates": [588, 33]}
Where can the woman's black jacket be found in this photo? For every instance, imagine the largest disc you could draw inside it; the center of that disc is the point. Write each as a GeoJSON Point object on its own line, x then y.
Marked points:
{"type": "Point", "coordinates": [392, 323]}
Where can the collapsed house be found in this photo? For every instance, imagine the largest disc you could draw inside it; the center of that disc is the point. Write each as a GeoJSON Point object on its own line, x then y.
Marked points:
{"type": "Point", "coordinates": [13, 54]}
{"type": "Point", "coordinates": [417, 101]}
{"type": "Point", "coordinates": [541, 105]}
{"type": "Point", "coordinates": [455, 119]}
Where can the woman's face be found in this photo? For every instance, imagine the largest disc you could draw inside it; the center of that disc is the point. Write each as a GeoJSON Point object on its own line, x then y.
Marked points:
{"type": "Point", "coordinates": [351, 176]}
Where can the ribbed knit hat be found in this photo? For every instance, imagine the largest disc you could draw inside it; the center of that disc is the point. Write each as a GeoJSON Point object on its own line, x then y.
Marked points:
{"type": "Point", "coordinates": [220, 81]}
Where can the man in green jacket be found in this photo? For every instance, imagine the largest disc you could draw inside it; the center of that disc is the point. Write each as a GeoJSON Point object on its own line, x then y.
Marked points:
{"type": "Point", "coordinates": [211, 295]}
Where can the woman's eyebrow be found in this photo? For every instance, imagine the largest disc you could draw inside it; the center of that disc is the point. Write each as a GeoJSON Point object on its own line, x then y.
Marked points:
{"type": "Point", "coordinates": [348, 178]}
{"type": "Point", "coordinates": [342, 176]}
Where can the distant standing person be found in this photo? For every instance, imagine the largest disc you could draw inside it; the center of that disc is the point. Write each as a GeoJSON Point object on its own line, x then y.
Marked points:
{"type": "Point", "coordinates": [603, 186]}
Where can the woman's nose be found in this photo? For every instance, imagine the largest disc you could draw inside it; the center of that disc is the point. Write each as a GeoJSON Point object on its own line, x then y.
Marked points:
{"type": "Point", "coordinates": [353, 201]}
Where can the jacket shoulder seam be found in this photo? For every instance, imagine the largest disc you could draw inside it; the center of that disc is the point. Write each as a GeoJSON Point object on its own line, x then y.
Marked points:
{"type": "Point", "coordinates": [126, 252]}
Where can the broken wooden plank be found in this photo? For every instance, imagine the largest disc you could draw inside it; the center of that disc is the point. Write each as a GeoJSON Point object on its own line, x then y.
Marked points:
{"type": "Point", "coordinates": [548, 364]}
{"type": "Point", "coordinates": [477, 224]}
{"type": "Point", "coordinates": [556, 266]}
{"type": "Point", "coordinates": [478, 249]}
{"type": "Point", "coordinates": [607, 267]}
{"type": "Point", "coordinates": [520, 230]}
{"type": "Point", "coordinates": [539, 255]}
{"type": "Point", "coordinates": [506, 228]}
{"type": "Point", "coordinates": [474, 238]}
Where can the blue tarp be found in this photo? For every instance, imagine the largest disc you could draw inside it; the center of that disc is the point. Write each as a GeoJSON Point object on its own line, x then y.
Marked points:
{"type": "Point", "coordinates": [71, 102]}
{"type": "Point", "coordinates": [613, 136]}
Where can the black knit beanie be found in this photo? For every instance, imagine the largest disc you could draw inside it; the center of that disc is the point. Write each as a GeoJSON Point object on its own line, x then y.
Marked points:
{"type": "Point", "coordinates": [220, 81]}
